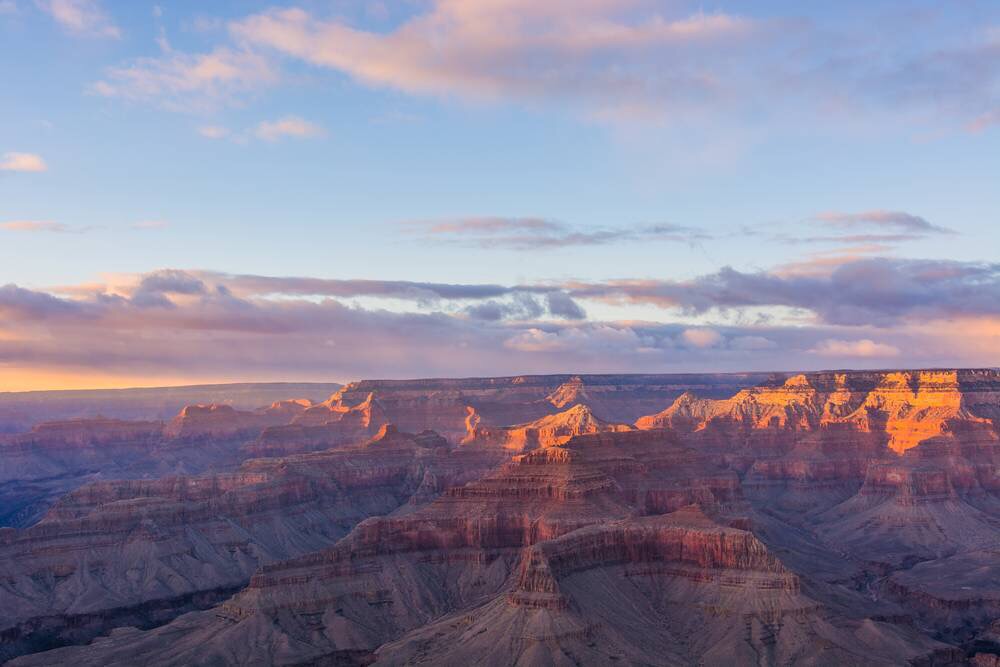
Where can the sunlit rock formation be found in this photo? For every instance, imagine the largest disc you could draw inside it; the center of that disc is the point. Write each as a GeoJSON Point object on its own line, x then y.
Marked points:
{"type": "Point", "coordinates": [847, 517]}
{"type": "Point", "coordinates": [545, 432]}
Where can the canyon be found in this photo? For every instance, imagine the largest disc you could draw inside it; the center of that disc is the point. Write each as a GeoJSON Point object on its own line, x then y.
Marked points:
{"type": "Point", "coordinates": [821, 518]}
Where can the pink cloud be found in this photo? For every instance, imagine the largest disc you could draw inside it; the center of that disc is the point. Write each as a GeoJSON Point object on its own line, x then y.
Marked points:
{"type": "Point", "coordinates": [213, 132]}
{"type": "Point", "coordinates": [289, 126]}
{"type": "Point", "coordinates": [854, 348]}
{"type": "Point", "coordinates": [22, 162]}
{"type": "Point", "coordinates": [701, 337]}
{"type": "Point", "coordinates": [83, 17]}
{"type": "Point", "coordinates": [491, 49]}
{"type": "Point", "coordinates": [34, 226]}
{"type": "Point", "coordinates": [211, 325]}
{"type": "Point", "coordinates": [183, 82]}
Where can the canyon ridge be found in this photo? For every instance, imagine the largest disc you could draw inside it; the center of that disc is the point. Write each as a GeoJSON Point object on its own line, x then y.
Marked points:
{"type": "Point", "coordinates": [820, 518]}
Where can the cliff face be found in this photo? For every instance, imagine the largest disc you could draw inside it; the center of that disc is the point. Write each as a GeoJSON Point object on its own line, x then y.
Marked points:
{"type": "Point", "coordinates": [19, 411]}
{"type": "Point", "coordinates": [52, 447]}
{"type": "Point", "coordinates": [545, 432]}
{"type": "Point", "coordinates": [604, 593]}
{"type": "Point", "coordinates": [111, 547]}
{"type": "Point", "coordinates": [819, 518]}
{"type": "Point", "coordinates": [98, 444]}
{"type": "Point", "coordinates": [57, 457]}
{"type": "Point", "coordinates": [329, 424]}
{"type": "Point", "coordinates": [906, 407]}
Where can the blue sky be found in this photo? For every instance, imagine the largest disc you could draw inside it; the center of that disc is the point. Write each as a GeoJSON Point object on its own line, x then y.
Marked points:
{"type": "Point", "coordinates": [603, 141]}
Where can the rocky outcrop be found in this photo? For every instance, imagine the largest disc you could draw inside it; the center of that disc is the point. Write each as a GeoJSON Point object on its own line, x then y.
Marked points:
{"type": "Point", "coordinates": [675, 589]}
{"type": "Point", "coordinates": [545, 432]}
{"type": "Point", "coordinates": [569, 393]}
{"type": "Point", "coordinates": [113, 547]}
{"type": "Point", "coordinates": [818, 518]}
{"type": "Point", "coordinates": [198, 423]}
{"type": "Point", "coordinates": [56, 457]}
{"type": "Point", "coordinates": [906, 512]}
{"type": "Point", "coordinates": [907, 407]}
{"type": "Point", "coordinates": [323, 426]}
{"type": "Point", "coordinates": [52, 448]}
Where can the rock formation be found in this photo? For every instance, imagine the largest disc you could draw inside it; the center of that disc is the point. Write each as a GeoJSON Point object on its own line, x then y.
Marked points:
{"type": "Point", "coordinates": [545, 432]}
{"type": "Point", "coordinates": [805, 519]}
{"type": "Point", "coordinates": [115, 551]}
{"type": "Point", "coordinates": [56, 457]}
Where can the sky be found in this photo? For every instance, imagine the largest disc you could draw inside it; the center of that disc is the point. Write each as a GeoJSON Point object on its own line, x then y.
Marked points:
{"type": "Point", "coordinates": [343, 189]}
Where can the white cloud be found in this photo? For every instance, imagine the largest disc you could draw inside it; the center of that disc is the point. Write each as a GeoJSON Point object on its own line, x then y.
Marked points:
{"type": "Point", "coordinates": [83, 17]}
{"type": "Point", "coordinates": [22, 162]}
{"type": "Point", "coordinates": [289, 126]}
{"type": "Point", "coordinates": [863, 348]}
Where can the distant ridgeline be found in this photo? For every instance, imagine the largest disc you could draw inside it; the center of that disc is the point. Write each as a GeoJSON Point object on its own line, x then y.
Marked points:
{"type": "Point", "coordinates": [19, 411]}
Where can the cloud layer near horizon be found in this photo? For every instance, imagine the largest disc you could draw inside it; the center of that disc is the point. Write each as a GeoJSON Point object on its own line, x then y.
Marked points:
{"type": "Point", "coordinates": [209, 325]}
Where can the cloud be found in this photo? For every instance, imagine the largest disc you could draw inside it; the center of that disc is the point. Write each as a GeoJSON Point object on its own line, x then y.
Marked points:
{"type": "Point", "coordinates": [183, 82]}
{"type": "Point", "coordinates": [854, 291]}
{"type": "Point", "coordinates": [562, 305]}
{"type": "Point", "coordinates": [271, 131]}
{"type": "Point", "coordinates": [590, 339]}
{"type": "Point", "coordinates": [171, 324]}
{"type": "Point", "coordinates": [611, 60]}
{"type": "Point", "coordinates": [471, 300]}
{"type": "Point", "coordinates": [862, 348]}
{"type": "Point", "coordinates": [752, 343]}
{"type": "Point", "coordinates": [701, 337]}
{"type": "Point", "coordinates": [21, 304]}
{"type": "Point", "coordinates": [519, 307]}
{"type": "Point", "coordinates": [540, 234]}
{"type": "Point", "coordinates": [171, 281]}
{"type": "Point", "coordinates": [874, 231]}
{"type": "Point", "coordinates": [83, 17]}
{"type": "Point", "coordinates": [898, 221]}
{"type": "Point", "coordinates": [41, 226]}
{"type": "Point", "coordinates": [203, 325]}
{"type": "Point", "coordinates": [636, 59]}
{"type": "Point", "coordinates": [249, 285]}
{"type": "Point", "coordinates": [486, 226]}
{"type": "Point", "coordinates": [213, 132]}
{"type": "Point", "coordinates": [874, 291]}
{"type": "Point", "coordinates": [22, 162]}
{"type": "Point", "coordinates": [8, 7]}
{"type": "Point", "coordinates": [594, 50]}
{"type": "Point", "coordinates": [289, 126]}
{"type": "Point", "coordinates": [984, 121]}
